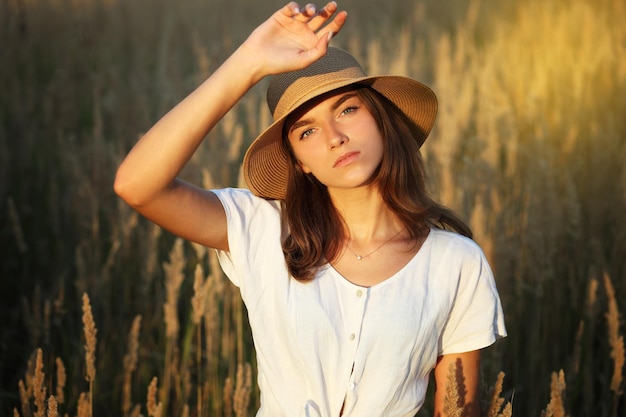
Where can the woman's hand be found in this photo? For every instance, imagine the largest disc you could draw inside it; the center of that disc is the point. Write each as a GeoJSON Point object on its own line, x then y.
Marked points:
{"type": "Point", "coordinates": [293, 37]}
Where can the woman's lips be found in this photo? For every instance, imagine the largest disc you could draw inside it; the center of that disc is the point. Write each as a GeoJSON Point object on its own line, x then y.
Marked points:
{"type": "Point", "coordinates": [346, 159]}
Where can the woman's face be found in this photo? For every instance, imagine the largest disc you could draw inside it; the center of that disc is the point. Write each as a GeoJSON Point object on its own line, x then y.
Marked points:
{"type": "Point", "coordinates": [337, 140]}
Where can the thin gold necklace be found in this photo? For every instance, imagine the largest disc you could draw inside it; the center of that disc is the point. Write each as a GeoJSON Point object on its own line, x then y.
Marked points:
{"type": "Point", "coordinates": [359, 257]}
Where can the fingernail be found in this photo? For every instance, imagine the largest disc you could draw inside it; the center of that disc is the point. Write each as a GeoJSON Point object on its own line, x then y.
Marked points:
{"type": "Point", "coordinates": [330, 36]}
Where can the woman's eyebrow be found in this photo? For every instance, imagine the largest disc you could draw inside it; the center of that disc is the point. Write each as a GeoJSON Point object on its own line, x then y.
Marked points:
{"type": "Point", "coordinates": [336, 104]}
{"type": "Point", "coordinates": [343, 99]}
{"type": "Point", "coordinates": [299, 123]}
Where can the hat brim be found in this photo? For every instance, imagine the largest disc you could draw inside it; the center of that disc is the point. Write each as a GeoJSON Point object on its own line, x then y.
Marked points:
{"type": "Point", "coordinates": [265, 164]}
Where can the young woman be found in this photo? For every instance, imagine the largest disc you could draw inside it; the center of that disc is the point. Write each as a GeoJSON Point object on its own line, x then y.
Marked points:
{"type": "Point", "coordinates": [355, 291]}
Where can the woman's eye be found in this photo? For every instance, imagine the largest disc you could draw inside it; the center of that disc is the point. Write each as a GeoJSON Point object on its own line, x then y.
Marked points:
{"type": "Point", "coordinates": [348, 110]}
{"type": "Point", "coordinates": [306, 133]}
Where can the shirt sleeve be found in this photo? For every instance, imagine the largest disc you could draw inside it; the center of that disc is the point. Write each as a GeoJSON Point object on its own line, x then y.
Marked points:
{"type": "Point", "coordinates": [253, 227]}
{"type": "Point", "coordinates": [476, 319]}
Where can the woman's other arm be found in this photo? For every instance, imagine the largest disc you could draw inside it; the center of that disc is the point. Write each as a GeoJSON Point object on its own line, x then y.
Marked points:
{"type": "Point", "coordinates": [463, 384]}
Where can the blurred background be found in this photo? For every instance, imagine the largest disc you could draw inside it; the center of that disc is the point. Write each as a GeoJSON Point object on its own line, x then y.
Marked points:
{"type": "Point", "coordinates": [529, 147]}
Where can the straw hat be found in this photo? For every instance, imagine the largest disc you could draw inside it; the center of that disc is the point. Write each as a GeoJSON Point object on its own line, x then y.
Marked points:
{"type": "Point", "coordinates": [265, 162]}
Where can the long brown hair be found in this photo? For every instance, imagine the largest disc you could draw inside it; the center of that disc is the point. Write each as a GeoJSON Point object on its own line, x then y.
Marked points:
{"type": "Point", "coordinates": [316, 229]}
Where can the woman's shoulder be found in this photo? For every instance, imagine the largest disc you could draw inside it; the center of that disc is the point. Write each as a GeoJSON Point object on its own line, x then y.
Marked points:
{"type": "Point", "coordinates": [449, 241]}
{"type": "Point", "coordinates": [243, 198]}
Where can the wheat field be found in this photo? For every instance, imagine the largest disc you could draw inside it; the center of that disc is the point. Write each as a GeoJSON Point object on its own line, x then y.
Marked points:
{"type": "Point", "coordinates": [105, 314]}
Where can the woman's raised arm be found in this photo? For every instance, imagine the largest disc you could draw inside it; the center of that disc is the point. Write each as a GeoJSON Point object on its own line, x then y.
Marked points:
{"type": "Point", "coordinates": [292, 38]}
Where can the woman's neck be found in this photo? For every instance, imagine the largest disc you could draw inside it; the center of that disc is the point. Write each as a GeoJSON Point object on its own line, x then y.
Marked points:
{"type": "Point", "coordinates": [365, 214]}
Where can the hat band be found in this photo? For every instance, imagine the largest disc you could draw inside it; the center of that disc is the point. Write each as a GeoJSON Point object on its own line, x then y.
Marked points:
{"type": "Point", "coordinates": [306, 88]}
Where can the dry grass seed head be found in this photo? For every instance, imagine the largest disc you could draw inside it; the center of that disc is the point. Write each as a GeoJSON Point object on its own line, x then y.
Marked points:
{"type": "Point", "coordinates": [16, 226]}
{"type": "Point", "coordinates": [616, 341]}
{"type": "Point", "coordinates": [495, 407]}
{"type": "Point", "coordinates": [152, 404]}
{"type": "Point", "coordinates": [39, 391]}
{"type": "Point", "coordinates": [508, 411]}
{"type": "Point", "coordinates": [24, 398]}
{"type": "Point", "coordinates": [136, 411]}
{"type": "Point", "coordinates": [555, 407]}
{"type": "Point", "coordinates": [198, 301]}
{"type": "Point", "coordinates": [130, 364]}
{"type": "Point", "coordinates": [53, 407]}
{"type": "Point", "coordinates": [578, 348]}
{"type": "Point", "coordinates": [89, 327]}
{"type": "Point", "coordinates": [173, 279]}
{"type": "Point", "coordinates": [592, 292]}
{"type": "Point", "coordinates": [83, 409]}
{"type": "Point", "coordinates": [243, 387]}
{"type": "Point", "coordinates": [61, 380]}
{"type": "Point", "coordinates": [496, 402]}
{"type": "Point", "coordinates": [200, 251]}
{"type": "Point", "coordinates": [228, 397]}
{"type": "Point", "coordinates": [452, 401]}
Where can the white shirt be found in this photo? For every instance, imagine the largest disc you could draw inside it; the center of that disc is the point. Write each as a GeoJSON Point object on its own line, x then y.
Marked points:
{"type": "Point", "coordinates": [329, 343]}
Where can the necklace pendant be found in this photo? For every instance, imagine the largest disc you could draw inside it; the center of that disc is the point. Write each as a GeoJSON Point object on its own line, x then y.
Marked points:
{"type": "Point", "coordinates": [359, 257]}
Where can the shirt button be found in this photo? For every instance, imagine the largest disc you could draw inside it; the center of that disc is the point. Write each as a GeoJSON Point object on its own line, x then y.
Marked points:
{"type": "Point", "coordinates": [351, 385]}
{"type": "Point", "coordinates": [352, 336]}
{"type": "Point", "coordinates": [359, 293]}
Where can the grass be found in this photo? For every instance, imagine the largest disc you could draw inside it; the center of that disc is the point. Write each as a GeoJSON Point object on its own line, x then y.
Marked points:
{"type": "Point", "coordinates": [529, 146]}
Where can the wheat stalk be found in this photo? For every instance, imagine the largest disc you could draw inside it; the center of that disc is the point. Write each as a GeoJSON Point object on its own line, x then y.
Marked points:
{"type": "Point", "coordinates": [453, 400]}
{"type": "Point", "coordinates": [61, 380]}
{"type": "Point", "coordinates": [198, 301]}
{"type": "Point", "coordinates": [228, 398]}
{"type": "Point", "coordinates": [89, 328]}
{"type": "Point", "coordinates": [496, 402]}
{"type": "Point", "coordinates": [616, 341]}
{"type": "Point", "coordinates": [578, 348]}
{"type": "Point", "coordinates": [592, 296]}
{"type": "Point", "coordinates": [84, 407]}
{"type": "Point", "coordinates": [130, 364]}
{"type": "Point", "coordinates": [53, 405]}
{"type": "Point", "coordinates": [16, 226]}
{"type": "Point", "coordinates": [152, 404]}
{"type": "Point", "coordinates": [136, 412]}
{"type": "Point", "coordinates": [555, 407]}
{"type": "Point", "coordinates": [243, 387]}
{"type": "Point", "coordinates": [39, 390]}
{"type": "Point", "coordinates": [495, 408]}
{"type": "Point", "coordinates": [173, 279]}
{"type": "Point", "coordinates": [24, 398]}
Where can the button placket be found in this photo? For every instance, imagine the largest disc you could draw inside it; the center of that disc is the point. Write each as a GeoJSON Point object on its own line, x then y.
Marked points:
{"type": "Point", "coordinates": [358, 300]}
{"type": "Point", "coordinates": [359, 310]}
{"type": "Point", "coordinates": [360, 307]}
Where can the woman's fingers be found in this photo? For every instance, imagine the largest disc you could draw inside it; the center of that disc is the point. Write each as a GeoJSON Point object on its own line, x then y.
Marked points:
{"type": "Point", "coordinates": [322, 16]}
{"type": "Point", "coordinates": [305, 13]}
{"type": "Point", "coordinates": [316, 18]}
{"type": "Point", "coordinates": [335, 24]}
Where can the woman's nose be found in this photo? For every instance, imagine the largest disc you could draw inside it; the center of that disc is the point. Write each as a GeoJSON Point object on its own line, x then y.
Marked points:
{"type": "Point", "coordinates": [336, 137]}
